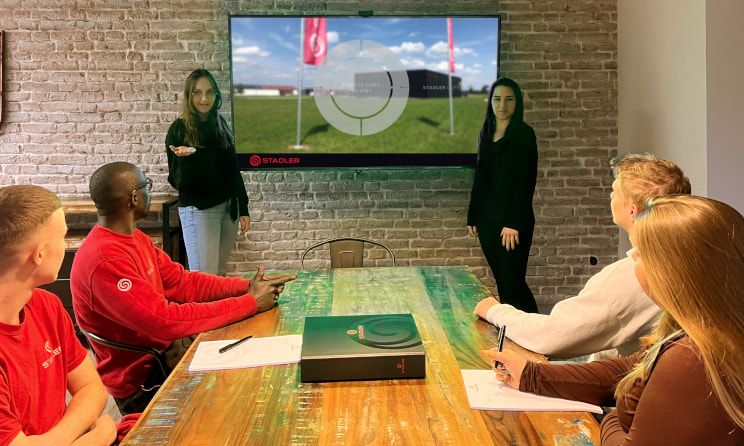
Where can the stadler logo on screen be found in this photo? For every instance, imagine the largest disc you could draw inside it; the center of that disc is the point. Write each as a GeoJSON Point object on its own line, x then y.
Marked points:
{"type": "Point", "coordinates": [362, 89]}
{"type": "Point", "coordinates": [257, 160]}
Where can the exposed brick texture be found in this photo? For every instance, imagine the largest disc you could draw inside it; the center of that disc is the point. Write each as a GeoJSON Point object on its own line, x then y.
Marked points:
{"type": "Point", "coordinates": [88, 82]}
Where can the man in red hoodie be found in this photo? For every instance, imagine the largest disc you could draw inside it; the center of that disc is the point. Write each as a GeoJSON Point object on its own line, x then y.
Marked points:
{"type": "Point", "coordinates": [127, 290]}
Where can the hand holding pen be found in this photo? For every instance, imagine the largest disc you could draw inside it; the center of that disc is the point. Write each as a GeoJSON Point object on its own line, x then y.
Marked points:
{"type": "Point", "coordinates": [507, 365]}
{"type": "Point", "coordinates": [511, 365]}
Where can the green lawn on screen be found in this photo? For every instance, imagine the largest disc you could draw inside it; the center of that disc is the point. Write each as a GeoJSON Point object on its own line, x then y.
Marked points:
{"type": "Point", "coordinates": [269, 125]}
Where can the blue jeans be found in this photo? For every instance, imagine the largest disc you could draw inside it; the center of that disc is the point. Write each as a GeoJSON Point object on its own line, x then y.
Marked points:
{"type": "Point", "coordinates": [209, 235]}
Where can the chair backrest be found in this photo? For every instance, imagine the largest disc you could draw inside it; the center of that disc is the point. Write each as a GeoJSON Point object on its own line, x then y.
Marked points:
{"type": "Point", "coordinates": [346, 252]}
{"type": "Point", "coordinates": [159, 357]}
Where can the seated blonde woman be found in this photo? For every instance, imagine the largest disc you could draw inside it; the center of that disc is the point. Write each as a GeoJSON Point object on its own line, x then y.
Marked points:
{"type": "Point", "coordinates": [686, 386]}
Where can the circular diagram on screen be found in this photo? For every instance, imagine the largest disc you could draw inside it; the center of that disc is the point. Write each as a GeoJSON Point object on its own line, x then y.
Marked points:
{"type": "Point", "coordinates": [362, 89]}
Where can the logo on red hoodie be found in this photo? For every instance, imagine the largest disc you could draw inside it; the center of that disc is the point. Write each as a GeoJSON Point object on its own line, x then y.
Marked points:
{"type": "Point", "coordinates": [124, 285]}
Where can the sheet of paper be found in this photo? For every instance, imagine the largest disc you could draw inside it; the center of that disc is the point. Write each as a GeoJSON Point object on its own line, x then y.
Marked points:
{"type": "Point", "coordinates": [255, 352]}
{"type": "Point", "coordinates": [485, 392]}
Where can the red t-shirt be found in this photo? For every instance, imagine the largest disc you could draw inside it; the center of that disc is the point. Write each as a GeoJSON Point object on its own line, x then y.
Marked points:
{"type": "Point", "coordinates": [127, 290]}
{"type": "Point", "coordinates": [35, 359]}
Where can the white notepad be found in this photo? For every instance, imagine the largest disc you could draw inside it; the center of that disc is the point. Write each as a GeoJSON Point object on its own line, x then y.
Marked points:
{"type": "Point", "coordinates": [255, 352]}
{"type": "Point", "coordinates": [485, 392]}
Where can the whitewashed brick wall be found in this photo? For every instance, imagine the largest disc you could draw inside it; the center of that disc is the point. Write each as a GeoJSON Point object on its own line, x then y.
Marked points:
{"type": "Point", "coordinates": [88, 82]}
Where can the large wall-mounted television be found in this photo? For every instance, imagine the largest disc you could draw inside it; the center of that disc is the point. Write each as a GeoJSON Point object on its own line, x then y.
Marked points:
{"type": "Point", "coordinates": [342, 91]}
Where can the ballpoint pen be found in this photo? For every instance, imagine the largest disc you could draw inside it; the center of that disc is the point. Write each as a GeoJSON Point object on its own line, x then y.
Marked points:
{"type": "Point", "coordinates": [500, 344]}
{"type": "Point", "coordinates": [234, 344]}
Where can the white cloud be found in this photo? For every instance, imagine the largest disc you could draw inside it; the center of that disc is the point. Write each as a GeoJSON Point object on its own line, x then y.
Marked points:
{"type": "Point", "coordinates": [438, 49]}
{"type": "Point", "coordinates": [250, 61]}
{"type": "Point", "coordinates": [441, 48]}
{"type": "Point", "coordinates": [250, 51]}
{"type": "Point", "coordinates": [413, 63]}
{"type": "Point", "coordinates": [460, 69]}
{"type": "Point", "coordinates": [408, 47]}
{"type": "Point", "coordinates": [467, 70]}
{"type": "Point", "coordinates": [332, 37]}
{"type": "Point", "coordinates": [242, 60]}
{"type": "Point", "coordinates": [440, 66]}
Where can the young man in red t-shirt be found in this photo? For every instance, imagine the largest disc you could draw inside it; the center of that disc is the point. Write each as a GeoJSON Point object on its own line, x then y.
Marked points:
{"type": "Point", "coordinates": [127, 290]}
{"type": "Point", "coordinates": [40, 357]}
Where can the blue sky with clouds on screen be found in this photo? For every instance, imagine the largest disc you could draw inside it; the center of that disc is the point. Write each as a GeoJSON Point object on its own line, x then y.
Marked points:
{"type": "Point", "coordinates": [265, 50]}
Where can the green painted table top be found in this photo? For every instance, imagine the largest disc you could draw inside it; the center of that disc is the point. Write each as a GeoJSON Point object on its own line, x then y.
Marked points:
{"type": "Point", "coordinates": [271, 406]}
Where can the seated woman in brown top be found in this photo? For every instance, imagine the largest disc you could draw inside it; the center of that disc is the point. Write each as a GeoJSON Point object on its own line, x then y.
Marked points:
{"type": "Point", "coordinates": [686, 386]}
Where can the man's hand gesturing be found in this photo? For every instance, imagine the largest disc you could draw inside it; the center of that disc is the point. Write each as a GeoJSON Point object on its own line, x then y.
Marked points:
{"type": "Point", "coordinates": [266, 290]}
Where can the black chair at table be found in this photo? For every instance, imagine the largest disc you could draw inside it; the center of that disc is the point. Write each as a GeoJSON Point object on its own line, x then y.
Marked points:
{"type": "Point", "coordinates": [159, 357]}
{"type": "Point", "coordinates": [346, 252]}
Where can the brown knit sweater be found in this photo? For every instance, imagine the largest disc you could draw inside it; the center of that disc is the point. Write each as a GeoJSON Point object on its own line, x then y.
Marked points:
{"type": "Point", "coordinates": [675, 406]}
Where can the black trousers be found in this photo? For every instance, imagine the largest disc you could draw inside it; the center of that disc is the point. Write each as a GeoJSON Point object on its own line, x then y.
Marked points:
{"type": "Point", "coordinates": [138, 401]}
{"type": "Point", "coordinates": [509, 268]}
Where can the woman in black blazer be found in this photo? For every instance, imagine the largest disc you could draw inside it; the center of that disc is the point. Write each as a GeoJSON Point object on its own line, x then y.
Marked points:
{"type": "Point", "coordinates": [500, 212]}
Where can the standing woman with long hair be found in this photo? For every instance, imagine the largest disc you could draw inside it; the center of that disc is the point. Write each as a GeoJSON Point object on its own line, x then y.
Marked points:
{"type": "Point", "coordinates": [201, 160]}
{"type": "Point", "coordinates": [500, 212]}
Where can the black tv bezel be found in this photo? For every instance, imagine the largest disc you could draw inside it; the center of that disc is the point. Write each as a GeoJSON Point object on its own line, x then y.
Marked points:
{"type": "Point", "coordinates": [283, 160]}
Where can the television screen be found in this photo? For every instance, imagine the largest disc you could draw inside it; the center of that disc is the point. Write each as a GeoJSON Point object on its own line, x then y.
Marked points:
{"type": "Point", "coordinates": [360, 91]}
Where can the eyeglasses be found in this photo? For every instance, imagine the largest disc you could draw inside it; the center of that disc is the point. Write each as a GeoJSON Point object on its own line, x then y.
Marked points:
{"type": "Point", "coordinates": [198, 93]}
{"type": "Point", "coordinates": [147, 184]}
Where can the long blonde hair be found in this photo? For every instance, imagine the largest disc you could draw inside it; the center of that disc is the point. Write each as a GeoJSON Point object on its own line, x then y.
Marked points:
{"type": "Point", "coordinates": [692, 251]}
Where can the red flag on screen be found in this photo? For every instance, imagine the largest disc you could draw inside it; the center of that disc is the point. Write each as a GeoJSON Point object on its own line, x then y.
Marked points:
{"type": "Point", "coordinates": [316, 40]}
{"type": "Point", "coordinates": [451, 46]}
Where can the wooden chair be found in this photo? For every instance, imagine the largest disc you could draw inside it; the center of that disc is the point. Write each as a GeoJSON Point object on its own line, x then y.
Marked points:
{"type": "Point", "coordinates": [346, 252]}
{"type": "Point", "coordinates": [159, 357]}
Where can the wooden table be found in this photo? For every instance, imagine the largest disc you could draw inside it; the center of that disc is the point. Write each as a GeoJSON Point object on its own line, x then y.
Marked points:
{"type": "Point", "coordinates": [270, 406]}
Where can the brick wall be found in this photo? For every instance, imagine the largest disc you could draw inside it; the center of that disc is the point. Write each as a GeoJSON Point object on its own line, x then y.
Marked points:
{"type": "Point", "coordinates": [89, 82]}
